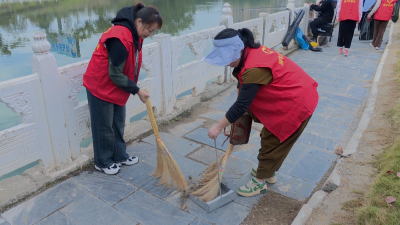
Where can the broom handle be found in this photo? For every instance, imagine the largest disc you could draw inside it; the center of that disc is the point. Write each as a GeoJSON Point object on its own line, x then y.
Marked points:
{"type": "Point", "coordinates": [152, 118]}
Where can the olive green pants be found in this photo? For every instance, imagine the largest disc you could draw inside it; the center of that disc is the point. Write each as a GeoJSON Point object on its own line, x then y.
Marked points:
{"type": "Point", "coordinates": [273, 152]}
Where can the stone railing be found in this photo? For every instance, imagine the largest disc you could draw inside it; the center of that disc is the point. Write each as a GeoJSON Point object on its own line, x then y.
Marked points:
{"type": "Point", "coordinates": [55, 122]}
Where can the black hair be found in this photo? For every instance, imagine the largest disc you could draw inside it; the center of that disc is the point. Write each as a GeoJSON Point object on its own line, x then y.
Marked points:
{"type": "Point", "coordinates": [149, 14]}
{"type": "Point", "coordinates": [245, 34]}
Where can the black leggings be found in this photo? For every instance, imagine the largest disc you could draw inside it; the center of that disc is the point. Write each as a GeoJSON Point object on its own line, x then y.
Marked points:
{"type": "Point", "coordinates": [346, 33]}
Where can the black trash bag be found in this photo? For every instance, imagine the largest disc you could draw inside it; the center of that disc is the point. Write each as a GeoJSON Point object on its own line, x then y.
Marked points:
{"type": "Point", "coordinates": [366, 28]}
{"type": "Point", "coordinates": [395, 15]}
{"type": "Point", "coordinates": [292, 28]}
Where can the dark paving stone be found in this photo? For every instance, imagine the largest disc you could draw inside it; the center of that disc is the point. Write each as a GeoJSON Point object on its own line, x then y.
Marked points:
{"type": "Point", "coordinates": [226, 102]}
{"type": "Point", "coordinates": [139, 175]}
{"type": "Point", "coordinates": [292, 187]}
{"type": "Point", "coordinates": [87, 210]}
{"type": "Point", "coordinates": [236, 166]}
{"type": "Point", "coordinates": [141, 150]}
{"type": "Point", "coordinates": [56, 218]}
{"type": "Point", "coordinates": [315, 140]}
{"type": "Point", "coordinates": [117, 218]}
{"type": "Point", "coordinates": [174, 144]}
{"type": "Point", "coordinates": [255, 138]}
{"type": "Point", "coordinates": [149, 210]}
{"type": "Point", "coordinates": [198, 221]}
{"type": "Point", "coordinates": [110, 189]}
{"type": "Point", "coordinates": [234, 185]}
{"type": "Point", "coordinates": [246, 151]}
{"type": "Point", "coordinates": [325, 131]}
{"type": "Point", "coordinates": [214, 114]}
{"type": "Point", "coordinates": [201, 135]}
{"type": "Point", "coordinates": [229, 214]}
{"type": "Point", "coordinates": [339, 120]}
{"type": "Point", "coordinates": [313, 165]}
{"type": "Point", "coordinates": [187, 166]}
{"type": "Point", "coordinates": [183, 129]}
{"type": "Point", "coordinates": [44, 204]}
{"type": "Point", "coordinates": [294, 155]}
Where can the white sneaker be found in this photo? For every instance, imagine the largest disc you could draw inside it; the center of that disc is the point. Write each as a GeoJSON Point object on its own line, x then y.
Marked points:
{"type": "Point", "coordinates": [371, 45]}
{"type": "Point", "coordinates": [111, 170]}
{"type": "Point", "coordinates": [376, 48]}
{"type": "Point", "coordinates": [129, 162]}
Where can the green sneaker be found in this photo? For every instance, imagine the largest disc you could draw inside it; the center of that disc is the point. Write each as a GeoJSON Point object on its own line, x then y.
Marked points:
{"type": "Point", "coordinates": [271, 180]}
{"type": "Point", "coordinates": [252, 188]}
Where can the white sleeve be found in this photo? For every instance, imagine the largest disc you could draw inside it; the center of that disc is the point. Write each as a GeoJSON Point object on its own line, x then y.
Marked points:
{"type": "Point", "coordinates": [338, 5]}
{"type": "Point", "coordinates": [376, 7]}
{"type": "Point", "coordinates": [360, 9]}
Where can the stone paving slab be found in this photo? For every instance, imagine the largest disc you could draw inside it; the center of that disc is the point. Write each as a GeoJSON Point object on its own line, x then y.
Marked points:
{"type": "Point", "coordinates": [226, 102]}
{"type": "Point", "coordinates": [150, 210]}
{"type": "Point", "coordinates": [117, 218]}
{"type": "Point", "coordinates": [44, 204]}
{"type": "Point", "coordinates": [248, 151]}
{"type": "Point", "coordinates": [199, 222]}
{"type": "Point", "coordinates": [110, 189]}
{"type": "Point", "coordinates": [214, 114]}
{"type": "Point", "coordinates": [201, 135]}
{"type": "Point", "coordinates": [293, 157]}
{"type": "Point", "coordinates": [174, 144]}
{"type": "Point", "coordinates": [229, 214]}
{"type": "Point", "coordinates": [87, 210]}
{"type": "Point", "coordinates": [183, 129]}
{"type": "Point", "coordinates": [315, 140]}
{"type": "Point", "coordinates": [139, 175]}
{"type": "Point", "coordinates": [56, 218]}
{"type": "Point", "coordinates": [313, 165]}
{"type": "Point", "coordinates": [141, 150]}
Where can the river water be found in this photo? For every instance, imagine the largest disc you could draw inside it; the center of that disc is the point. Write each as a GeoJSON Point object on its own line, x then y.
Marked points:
{"type": "Point", "coordinates": [73, 28]}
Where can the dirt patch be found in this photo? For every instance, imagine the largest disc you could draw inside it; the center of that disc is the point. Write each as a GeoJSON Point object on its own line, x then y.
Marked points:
{"type": "Point", "coordinates": [357, 172]}
{"type": "Point", "coordinates": [273, 208]}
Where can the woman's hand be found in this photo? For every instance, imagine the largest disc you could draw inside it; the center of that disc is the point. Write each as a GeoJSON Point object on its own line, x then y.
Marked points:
{"type": "Point", "coordinates": [143, 95]}
{"type": "Point", "coordinates": [214, 132]}
{"type": "Point", "coordinates": [369, 17]}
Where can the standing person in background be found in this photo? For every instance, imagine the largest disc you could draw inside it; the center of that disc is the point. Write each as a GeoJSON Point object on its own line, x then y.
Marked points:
{"type": "Point", "coordinates": [111, 78]}
{"type": "Point", "coordinates": [326, 13]}
{"type": "Point", "coordinates": [382, 12]}
{"type": "Point", "coordinates": [349, 12]}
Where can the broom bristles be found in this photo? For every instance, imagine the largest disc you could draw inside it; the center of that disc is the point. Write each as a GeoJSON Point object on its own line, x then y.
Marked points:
{"type": "Point", "coordinates": [168, 169]}
{"type": "Point", "coordinates": [209, 185]}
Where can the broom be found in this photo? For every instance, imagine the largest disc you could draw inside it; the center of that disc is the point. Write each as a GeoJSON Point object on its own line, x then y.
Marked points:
{"type": "Point", "coordinates": [167, 168]}
{"type": "Point", "coordinates": [209, 185]}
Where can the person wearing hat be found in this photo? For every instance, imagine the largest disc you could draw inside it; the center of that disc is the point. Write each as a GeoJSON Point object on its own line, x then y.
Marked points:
{"type": "Point", "coordinates": [274, 90]}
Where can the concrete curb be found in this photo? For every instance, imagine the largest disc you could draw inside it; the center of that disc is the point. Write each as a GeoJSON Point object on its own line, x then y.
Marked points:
{"type": "Point", "coordinates": [317, 198]}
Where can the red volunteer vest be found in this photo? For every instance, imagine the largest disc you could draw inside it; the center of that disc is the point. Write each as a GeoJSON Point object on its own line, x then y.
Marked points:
{"type": "Point", "coordinates": [290, 99]}
{"type": "Point", "coordinates": [97, 80]}
{"type": "Point", "coordinates": [385, 10]}
{"type": "Point", "coordinates": [349, 10]}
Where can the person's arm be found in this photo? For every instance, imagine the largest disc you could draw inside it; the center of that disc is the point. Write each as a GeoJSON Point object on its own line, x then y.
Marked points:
{"type": "Point", "coordinates": [117, 55]}
{"type": "Point", "coordinates": [360, 10]}
{"type": "Point", "coordinates": [338, 6]}
{"type": "Point", "coordinates": [246, 96]}
{"type": "Point", "coordinates": [375, 8]}
{"type": "Point", "coordinates": [321, 8]}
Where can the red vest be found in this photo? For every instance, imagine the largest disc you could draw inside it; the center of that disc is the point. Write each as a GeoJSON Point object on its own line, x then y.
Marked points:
{"type": "Point", "coordinates": [385, 10]}
{"type": "Point", "coordinates": [349, 10]}
{"type": "Point", "coordinates": [291, 98]}
{"type": "Point", "coordinates": [97, 80]}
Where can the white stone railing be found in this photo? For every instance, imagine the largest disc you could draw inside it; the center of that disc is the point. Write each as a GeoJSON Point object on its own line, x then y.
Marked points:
{"type": "Point", "coordinates": [55, 122]}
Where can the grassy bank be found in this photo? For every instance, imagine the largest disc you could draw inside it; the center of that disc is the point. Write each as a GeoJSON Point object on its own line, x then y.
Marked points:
{"type": "Point", "coordinates": [375, 210]}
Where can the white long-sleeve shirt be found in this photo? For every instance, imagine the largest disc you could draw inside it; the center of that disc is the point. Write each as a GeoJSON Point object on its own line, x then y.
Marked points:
{"type": "Point", "coordinates": [376, 7]}
{"type": "Point", "coordinates": [360, 8]}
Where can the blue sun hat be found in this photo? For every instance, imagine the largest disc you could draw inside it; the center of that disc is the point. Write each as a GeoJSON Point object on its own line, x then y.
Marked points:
{"type": "Point", "coordinates": [225, 51]}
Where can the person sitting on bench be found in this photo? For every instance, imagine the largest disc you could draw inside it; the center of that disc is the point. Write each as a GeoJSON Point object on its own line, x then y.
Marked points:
{"type": "Point", "coordinates": [326, 13]}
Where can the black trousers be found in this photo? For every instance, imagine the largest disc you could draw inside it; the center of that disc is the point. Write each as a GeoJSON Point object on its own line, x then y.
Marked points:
{"type": "Point", "coordinates": [317, 23]}
{"type": "Point", "coordinates": [346, 33]}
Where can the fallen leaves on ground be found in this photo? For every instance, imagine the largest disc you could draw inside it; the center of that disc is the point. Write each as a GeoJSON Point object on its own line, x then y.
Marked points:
{"type": "Point", "coordinates": [390, 199]}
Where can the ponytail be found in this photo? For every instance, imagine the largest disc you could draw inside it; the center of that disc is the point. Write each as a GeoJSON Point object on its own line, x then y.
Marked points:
{"type": "Point", "coordinates": [245, 35]}
{"type": "Point", "coordinates": [149, 14]}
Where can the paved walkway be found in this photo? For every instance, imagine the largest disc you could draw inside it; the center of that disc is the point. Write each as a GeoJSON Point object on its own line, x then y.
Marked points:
{"type": "Point", "coordinates": [133, 197]}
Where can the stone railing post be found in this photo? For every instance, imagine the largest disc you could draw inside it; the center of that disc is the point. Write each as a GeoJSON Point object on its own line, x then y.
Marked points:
{"type": "Point", "coordinates": [291, 6]}
{"type": "Point", "coordinates": [306, 17]}
{"type": "Point", "coordinates": [44, 63]}
{"type": "Point", "coordinates": [169, 84]}
{"type": "Point", "coordinates": [265, 17]}
{"type": "Point", "coordinates": [227, 21]}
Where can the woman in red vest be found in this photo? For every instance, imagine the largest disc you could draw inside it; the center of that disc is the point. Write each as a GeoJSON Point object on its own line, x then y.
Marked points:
{"type": "Point", "coordinates": [349, 12]}
{"type": "Point", "coordinates": [382, 12]}
{"type": "Point", "coordinates": [274, 90]}
{"type": "Point", "coordinates": [111, 77]}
